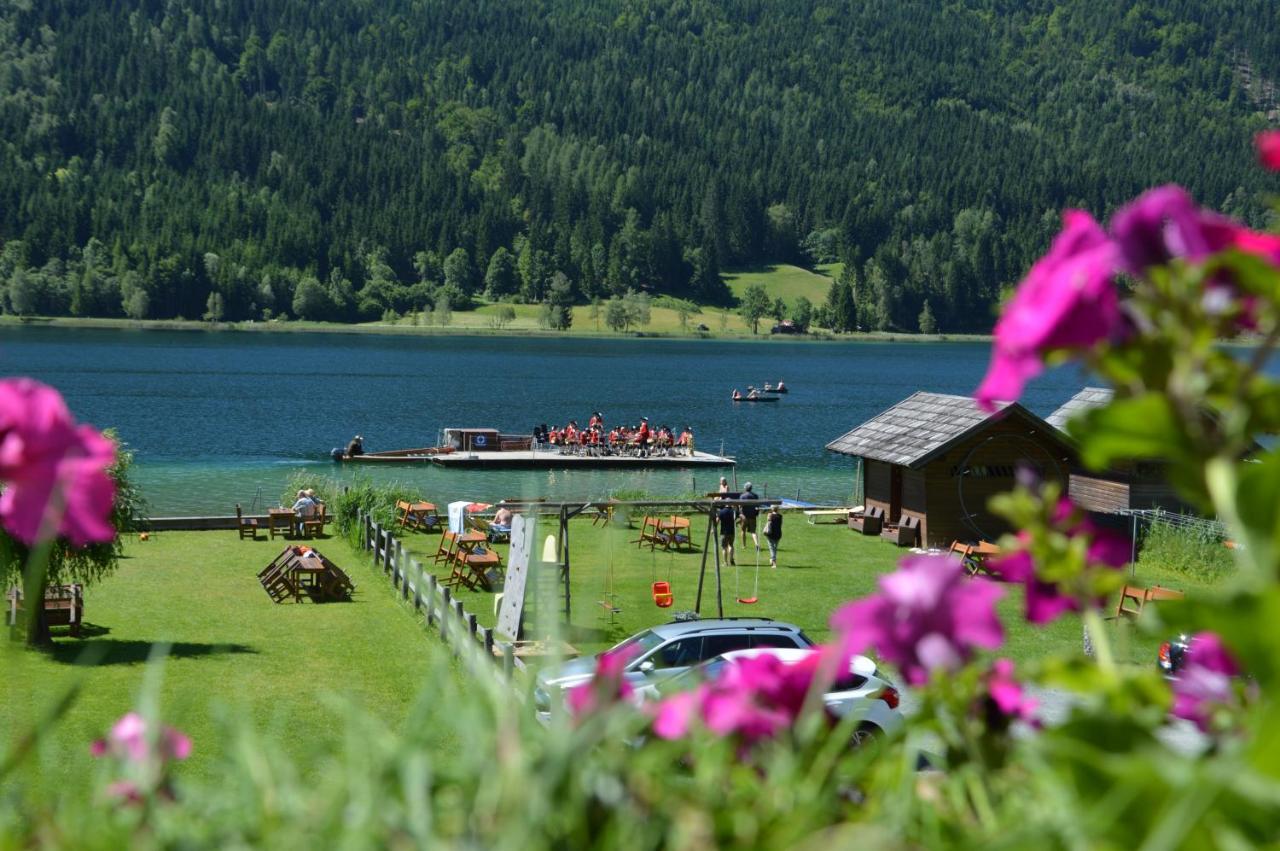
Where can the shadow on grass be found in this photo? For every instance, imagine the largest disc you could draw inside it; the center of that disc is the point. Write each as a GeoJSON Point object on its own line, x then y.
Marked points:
{"type": "Point", "coordinates": [111, 651]}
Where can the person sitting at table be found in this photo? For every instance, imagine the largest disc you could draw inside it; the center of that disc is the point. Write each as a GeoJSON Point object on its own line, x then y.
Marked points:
{"type": "Point", "coordinates": [355, 447]}
{"type": "Point", "coordinates": [303, 509]}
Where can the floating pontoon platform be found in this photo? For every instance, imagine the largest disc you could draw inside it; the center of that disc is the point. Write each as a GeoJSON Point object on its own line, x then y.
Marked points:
{"type": "Point", "coordinates": [552, 459]}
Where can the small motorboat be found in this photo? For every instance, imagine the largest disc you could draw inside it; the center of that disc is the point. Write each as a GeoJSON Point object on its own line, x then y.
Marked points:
{"type": "Point", "coordinates": [754, 396]}
{"type": "Point", "coordinates": [781, 388]}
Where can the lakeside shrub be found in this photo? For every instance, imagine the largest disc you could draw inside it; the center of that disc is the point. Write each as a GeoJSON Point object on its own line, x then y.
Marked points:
{"type": "Point", "coordinates": [1197, 549]}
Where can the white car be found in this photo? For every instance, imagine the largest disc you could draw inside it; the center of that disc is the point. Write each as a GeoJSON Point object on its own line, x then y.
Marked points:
{"type": "Point", "coordinates": [863, 692]}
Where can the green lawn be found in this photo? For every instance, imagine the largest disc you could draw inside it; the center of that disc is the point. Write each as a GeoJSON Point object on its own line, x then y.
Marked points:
{"type": "Point", "coordinates": [820, 567]}
{"type": "Point", "coordinates": [235, 656]}
{"type": "Point", "coordinates": [781, 280]}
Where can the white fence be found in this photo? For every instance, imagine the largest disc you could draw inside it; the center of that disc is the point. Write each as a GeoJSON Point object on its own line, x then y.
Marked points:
{"type": "Point", "coordinates": [475, 645]}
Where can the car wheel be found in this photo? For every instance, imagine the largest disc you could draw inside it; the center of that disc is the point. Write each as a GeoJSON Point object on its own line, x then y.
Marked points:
{"type": "Point", "coordinates": [864, 736]}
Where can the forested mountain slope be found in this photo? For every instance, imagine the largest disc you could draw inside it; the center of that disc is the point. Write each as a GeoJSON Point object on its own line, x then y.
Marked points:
{"type": "Point", "coordinates": [331, 157]}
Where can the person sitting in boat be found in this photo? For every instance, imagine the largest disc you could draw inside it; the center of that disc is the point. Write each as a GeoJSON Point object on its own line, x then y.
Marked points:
{"type": "Point", "coordinates": [754, 394]}
{"type": "Point", "coordinates": [355, 447]}
{"type": "Point", "coordinates": [782, 388]}
{"type": "Point", "coordinates": [736, 395]}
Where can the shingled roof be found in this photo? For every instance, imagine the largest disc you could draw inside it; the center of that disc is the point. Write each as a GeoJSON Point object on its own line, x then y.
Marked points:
{"type": "Point", "coordinates": [1086, 399]}
{"type": "Point", "coordinates": [921, 427]}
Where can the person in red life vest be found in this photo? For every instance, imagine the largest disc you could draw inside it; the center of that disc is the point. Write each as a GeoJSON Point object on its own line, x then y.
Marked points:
{"type": "Point", "coordinates": [642, 436]}
{"type": "Point", "coordinates": [613, 438]}
{"type": "Point", "coordinates": [596, 421]}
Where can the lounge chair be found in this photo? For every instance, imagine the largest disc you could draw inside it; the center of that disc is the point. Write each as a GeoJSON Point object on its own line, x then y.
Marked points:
{"type": "Point", "coordinates": [904, 533]}
{"type": "Point", "coordinates": [870, 522]}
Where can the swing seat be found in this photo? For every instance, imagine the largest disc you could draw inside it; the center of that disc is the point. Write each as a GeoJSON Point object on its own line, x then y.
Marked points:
{"type": "Point", "coordinates": [748, 601]}
{"type": "Point", "coordinates": [662, 596]}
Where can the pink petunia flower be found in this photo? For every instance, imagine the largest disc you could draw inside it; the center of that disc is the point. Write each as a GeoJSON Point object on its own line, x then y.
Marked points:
{"type": "Point", "coordinates": [927, 616]}
{"type": "Point", "coordinates": [1067, 301]}
{"type": "Point", "coordinates": [130, 740]}
{"type": "Point", "coordinates": [1268, 145]}
{"type": "Point", "coordinates": [1204, 682]}
{"type": "Point", "coordinates": [608, 686]}
{"type": "Point", "coordinates": [1007, 696]}
{"type": "Point", "coordinates": [753, 698]}
{"type": "Point", "coordinates": [1046, 601]}
{"type": "Point", "coordinates": [54, 472]}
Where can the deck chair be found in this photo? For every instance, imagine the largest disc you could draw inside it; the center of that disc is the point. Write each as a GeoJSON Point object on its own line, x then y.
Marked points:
{"type": "Point", "coordinates": [493, 534]}
{"type": "Point", "coordinates": [870, 522]}
{"type": "Point", "coordinates": [248, 526]}
{"type": "Point", "coordinates": [444, 551]}
{"type": "Point", "coordinates": [904, 533]}
{"type": "Point", "coordinates": [314, 526]}
{"type": "Point", "coordinates": [1132, 599]}
{"type": "Point", "coordinates": [1156, 593]}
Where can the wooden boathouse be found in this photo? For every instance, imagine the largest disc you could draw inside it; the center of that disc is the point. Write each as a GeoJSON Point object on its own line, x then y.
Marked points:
{"type": "Point", "coordinates": [939, 458]}
{"type": "Point", "coordinates": [1138, 485]}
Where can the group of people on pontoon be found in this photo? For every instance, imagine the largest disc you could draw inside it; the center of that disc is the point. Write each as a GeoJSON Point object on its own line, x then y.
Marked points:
{"type": "Point", "coordinates": [595, 438]}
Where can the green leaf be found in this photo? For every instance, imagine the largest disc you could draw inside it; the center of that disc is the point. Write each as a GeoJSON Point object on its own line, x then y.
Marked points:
{"type": "Point", "coordinates": [1145, 426]}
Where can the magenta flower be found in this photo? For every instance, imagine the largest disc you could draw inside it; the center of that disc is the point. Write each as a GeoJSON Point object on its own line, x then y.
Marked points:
{"type": "Point", "coordinates": [1203, 684]}
{"type": "Point", "coordinates": [753, 698]}
{"type": "Point", "coordinates": [54, 472]}
{"type": "Point", "coordinates": [130, 740]}
{"type": "Point", "coordinates": [1268, 145]}
{"type": "Point", "coordinates": [927, 616]}
{"type": "Point", "coordinates": [1046, 601]}
{"type": "Point", "coordinates": [1006, 695]}
{"type": "Point", "coordinates": [607, 687]}
{"type": "Point", "coordinates": [1067, 301]}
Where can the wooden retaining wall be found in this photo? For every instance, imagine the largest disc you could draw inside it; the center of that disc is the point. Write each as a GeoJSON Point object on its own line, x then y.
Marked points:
{"type": "Point", "coordinates": [477, 646]}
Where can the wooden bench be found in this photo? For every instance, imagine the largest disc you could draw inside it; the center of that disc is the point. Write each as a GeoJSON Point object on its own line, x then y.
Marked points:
{"type": "Point", "coordinates": [63, 606]}
{"type": "Point", "coordinates": [1134, 598]}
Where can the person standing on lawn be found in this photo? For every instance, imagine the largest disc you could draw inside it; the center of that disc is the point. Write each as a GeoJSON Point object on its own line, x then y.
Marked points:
{"type": "Point", "coordinates": [773, 533]}
{"type": "Point", "coordinates": [725, 517]}
{"type": "Point", "coordinates": [749, 515]}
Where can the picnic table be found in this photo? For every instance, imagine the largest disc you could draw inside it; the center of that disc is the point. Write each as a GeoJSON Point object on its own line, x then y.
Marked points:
{"type": "Point", "coordinates": [419, 515]}
{"type": "Point", "coordinates": [300, 570]}
{"type": "Point", "coordinates": [975, 557]}
{"type": "Point", "coordinates": [282, 521]}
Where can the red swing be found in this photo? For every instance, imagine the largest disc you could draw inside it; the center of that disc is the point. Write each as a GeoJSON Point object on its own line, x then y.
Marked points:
{"type": "Point", "coordinates": [662, 596]}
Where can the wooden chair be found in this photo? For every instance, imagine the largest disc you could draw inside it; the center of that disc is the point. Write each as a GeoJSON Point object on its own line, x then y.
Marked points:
{"type": "Point", "coordinates": [870, 522]}
{"type": "Point", "coordinates": [649, 533]}
{"type": "Point", "coordinates": [406, 514]}
{"type": "Point", "coordinates": [313, 527]}
{"type": "Point", "coordinates": [277, 578]}
{"type": "Point", "coordinates": [444, 551]}
{"type": "Point", "coordinates": [248, 526]}
{"type": "Point", "coordinates": [904, 533]}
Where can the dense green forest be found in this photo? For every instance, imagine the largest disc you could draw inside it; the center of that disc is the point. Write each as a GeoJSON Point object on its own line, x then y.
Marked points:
{"type": "Point", "coordinates": [340, 159]}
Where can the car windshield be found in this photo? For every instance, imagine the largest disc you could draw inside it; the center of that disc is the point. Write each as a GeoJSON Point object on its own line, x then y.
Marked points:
{"type": "Point", "coordinates": [638, 645]}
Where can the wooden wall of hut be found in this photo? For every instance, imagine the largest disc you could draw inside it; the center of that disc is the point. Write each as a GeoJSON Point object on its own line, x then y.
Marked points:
{"type": "Point", "coordinates": [877, 485]}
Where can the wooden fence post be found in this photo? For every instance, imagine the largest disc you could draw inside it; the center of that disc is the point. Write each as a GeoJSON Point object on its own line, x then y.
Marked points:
{"type": "Point", "coordinates": [415, 570]}
{"type": "Point", "coordinates": [445, 605]}
{"type": "Point", "coordinates": [508, 659]}
{"type": "Point", "coordinates": [431, 599]}
{"type": "Point", "coordinates": [386, 550]}
{"type": "Point", "coordinates": [471, 625]}
{"type": "Point", "coordinates": [486, 636]}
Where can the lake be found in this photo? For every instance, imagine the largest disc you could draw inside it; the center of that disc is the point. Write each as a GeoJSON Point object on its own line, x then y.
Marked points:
{"type": "Point", "coordinates": [224, 417]}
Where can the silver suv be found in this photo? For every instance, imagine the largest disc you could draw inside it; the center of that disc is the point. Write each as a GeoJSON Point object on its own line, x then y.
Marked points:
{"type": "Point", "coordinates": [668, 650]}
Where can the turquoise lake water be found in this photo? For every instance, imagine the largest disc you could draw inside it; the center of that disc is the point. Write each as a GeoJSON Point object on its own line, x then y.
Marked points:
{"type": "Point", "coordinates": [226, 417]}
